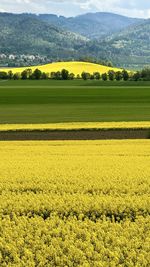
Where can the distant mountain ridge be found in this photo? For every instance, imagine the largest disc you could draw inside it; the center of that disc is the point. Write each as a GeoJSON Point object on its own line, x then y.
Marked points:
{"type": "Point", "coordinates": [92, 25]}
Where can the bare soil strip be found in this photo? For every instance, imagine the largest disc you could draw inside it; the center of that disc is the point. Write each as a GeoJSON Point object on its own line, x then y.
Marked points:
{"type": "Point", "coordinates": [75, 134]}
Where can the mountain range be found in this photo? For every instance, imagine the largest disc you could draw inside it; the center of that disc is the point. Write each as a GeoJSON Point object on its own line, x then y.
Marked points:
{"type": "Point", "coordinates": [92, 25]}
{"type": "Point", "coordinates": [97, 36]}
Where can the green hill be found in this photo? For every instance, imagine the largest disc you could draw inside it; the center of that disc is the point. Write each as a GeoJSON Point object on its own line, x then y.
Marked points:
{"type": "Point", "coordinates": [131, 47]}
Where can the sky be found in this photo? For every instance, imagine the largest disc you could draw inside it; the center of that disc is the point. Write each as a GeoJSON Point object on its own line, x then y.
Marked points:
{"type": "Point", "coordinates": [131, 8]}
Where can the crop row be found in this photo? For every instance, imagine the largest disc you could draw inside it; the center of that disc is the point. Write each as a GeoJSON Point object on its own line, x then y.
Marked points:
{"type": "Point", "coordinates": [76, 126]}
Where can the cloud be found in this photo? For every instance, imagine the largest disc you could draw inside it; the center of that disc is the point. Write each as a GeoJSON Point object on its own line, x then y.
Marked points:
{"type": "Point", "coordinates": [133, 8]}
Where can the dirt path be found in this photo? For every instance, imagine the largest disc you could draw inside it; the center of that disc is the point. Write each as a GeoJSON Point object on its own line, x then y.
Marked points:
{"type": "Point", "coordinates": [76, 134]}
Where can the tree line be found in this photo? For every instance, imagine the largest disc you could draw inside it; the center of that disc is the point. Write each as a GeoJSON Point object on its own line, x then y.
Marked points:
{"type": "Point", "coordinates": [112, 75]}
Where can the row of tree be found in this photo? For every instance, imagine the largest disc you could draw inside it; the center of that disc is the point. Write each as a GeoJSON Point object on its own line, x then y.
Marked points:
{"type": "Point", "coordinates": [111, 76]}
{"type": "Point", "coordinates": [37, 74]}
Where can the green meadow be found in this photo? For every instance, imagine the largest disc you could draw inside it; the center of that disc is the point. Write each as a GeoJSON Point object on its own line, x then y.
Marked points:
{"type": "Point", "coordinates": [73, 101]}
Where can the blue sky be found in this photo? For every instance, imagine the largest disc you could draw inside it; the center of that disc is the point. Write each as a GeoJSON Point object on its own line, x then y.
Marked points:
{"type": "Point", "coordinates": [132, 8]}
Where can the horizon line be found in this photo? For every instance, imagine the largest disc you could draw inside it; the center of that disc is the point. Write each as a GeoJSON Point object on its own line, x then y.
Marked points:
{"type": "Point", "coordinates": [86, 13]}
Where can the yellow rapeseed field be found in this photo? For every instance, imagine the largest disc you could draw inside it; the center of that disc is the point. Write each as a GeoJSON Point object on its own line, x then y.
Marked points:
{"type": "Point", "coordinates": [76, 126]}
{"type": "Point", "coordinates": [75, 203]}
{"type": "Point", "coordinates": [73, 67]}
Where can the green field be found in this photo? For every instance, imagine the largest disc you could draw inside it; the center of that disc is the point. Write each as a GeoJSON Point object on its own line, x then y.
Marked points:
{"type": "Point", "coordinates": [71, 101]}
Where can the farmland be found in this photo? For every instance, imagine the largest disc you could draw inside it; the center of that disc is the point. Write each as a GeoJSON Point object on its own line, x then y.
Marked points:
{"type": "Point", "coordinates": [74, 134]}
{"type": "Point", "coordinates": [75, 203]}
{"type": "Point", "coordinates": [73, 101]}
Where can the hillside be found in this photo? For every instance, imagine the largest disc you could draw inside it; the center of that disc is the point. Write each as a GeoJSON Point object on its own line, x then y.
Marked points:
{"type": "Point", "coordinates": [92, 25]}
{"type": "Point", "coordinates": [131, 46]}
{"type": "Point", "coordinates": [25, 34]}
{"type": "Point", "coordinates": [72, 67]}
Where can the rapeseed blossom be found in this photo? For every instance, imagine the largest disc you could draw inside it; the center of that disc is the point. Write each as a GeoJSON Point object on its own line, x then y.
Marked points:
{"type": "Point", "coordinates": [75, 203]}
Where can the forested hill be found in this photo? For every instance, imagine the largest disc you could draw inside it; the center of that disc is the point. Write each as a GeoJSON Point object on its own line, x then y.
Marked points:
{"type": "Point", "coordinates": [25, 34]}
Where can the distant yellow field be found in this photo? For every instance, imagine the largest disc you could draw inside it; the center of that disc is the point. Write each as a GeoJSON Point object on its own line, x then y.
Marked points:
{"type": "Point", "coordinates": [72, 67]}
{"type": "Point", "coordinates": [76, 126]}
